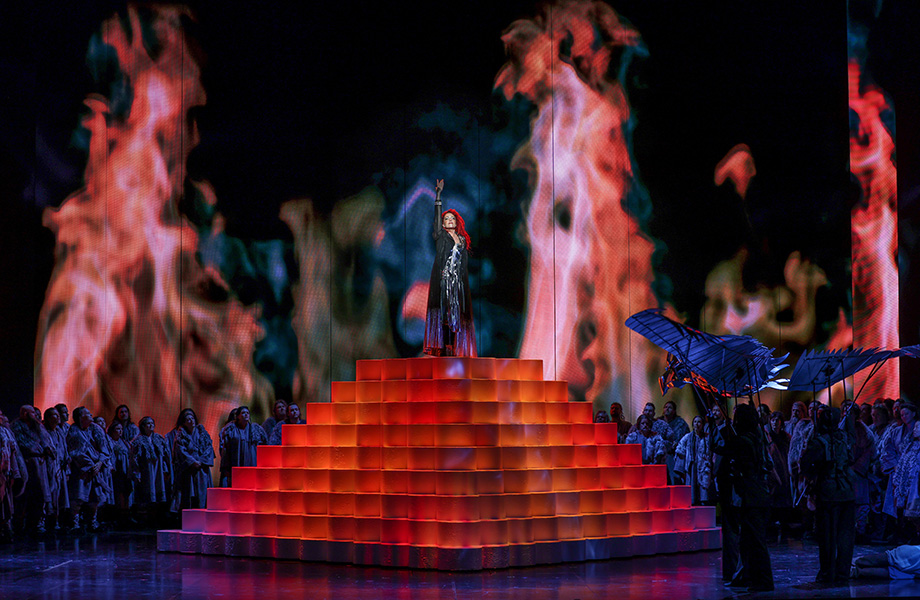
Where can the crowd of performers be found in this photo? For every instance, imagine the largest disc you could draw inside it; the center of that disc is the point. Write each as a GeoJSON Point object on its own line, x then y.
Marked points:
{"type": "Point", "coordinates": [837, 475]}
{"type": "Point", "coordinates": [58, 474]}
{"type": "Point", "coordinates": [840, 475]}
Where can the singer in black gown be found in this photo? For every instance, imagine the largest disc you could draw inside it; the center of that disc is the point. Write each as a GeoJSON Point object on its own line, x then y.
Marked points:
{"type": "Point", "coordinates": [449, 318]}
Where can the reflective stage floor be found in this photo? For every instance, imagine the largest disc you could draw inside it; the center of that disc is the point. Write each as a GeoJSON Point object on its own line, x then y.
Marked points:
{"type": "Point", "coordinates": [126, 566]}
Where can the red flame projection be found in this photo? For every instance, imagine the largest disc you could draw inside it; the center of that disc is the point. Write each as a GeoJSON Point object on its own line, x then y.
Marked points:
{"type": "Point", "coordinates": [590, 265]}
{"type": "Point", "coordinates": [874, 232]}
{"type": "Point", "coordinates": [130, 315]}
{"type": "Point", "coordinates": [738, 166]}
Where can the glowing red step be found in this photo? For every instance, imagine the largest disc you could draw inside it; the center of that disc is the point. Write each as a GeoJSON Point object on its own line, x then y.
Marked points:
{"type": "Point", "coordinates": [447, 463]}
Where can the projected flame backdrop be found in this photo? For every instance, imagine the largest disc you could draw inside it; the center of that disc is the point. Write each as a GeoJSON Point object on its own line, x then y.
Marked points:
{"type": "Point", "coordinates": [606, 159]}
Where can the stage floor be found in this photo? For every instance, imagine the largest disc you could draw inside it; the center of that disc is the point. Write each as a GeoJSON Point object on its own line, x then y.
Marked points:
{"type": "Point", "coordinates": [126, 565]}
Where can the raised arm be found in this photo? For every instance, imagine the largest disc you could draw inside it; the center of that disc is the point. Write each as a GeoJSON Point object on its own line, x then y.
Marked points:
{"type": "Point", "coordinates": [438, 186]}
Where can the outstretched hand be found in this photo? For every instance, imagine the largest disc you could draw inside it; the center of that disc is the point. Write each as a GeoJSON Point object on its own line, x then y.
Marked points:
{"type": "Point", "coordinates": [439, 184]}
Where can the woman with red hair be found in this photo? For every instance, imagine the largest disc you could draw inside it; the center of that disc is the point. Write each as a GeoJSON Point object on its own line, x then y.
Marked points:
{"type": "Point", "coordinates": [449, 319]}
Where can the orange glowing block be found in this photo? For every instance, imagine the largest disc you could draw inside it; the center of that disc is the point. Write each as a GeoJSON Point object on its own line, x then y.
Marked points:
{"type": "Point", "coordinates": [343, 391]}
{"type": "Point", "coordinates": [394, 507]}
{"type": "Point", "coordinates": [448, 463]}
{"type": "Point", "coordinates": [320, 412]}
{"type": "Point", "coordinates": [394, 391]}
{"type": "Point", "coordinates": [419, 368]}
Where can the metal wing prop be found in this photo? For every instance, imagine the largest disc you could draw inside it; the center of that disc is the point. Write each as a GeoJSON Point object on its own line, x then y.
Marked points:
{"type": "Point", "coordinates": [727, 365]}
{"type": "Point", "coordinates": [911, 351]}
{"type": "Point", "coordinates": [823, 368]}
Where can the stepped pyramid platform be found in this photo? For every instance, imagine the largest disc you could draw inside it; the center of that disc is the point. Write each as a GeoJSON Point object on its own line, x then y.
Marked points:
{"type": "Point", "coordinates": [452, 464]}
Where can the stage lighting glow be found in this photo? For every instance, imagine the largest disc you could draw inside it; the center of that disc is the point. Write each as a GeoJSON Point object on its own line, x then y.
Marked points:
{"type": "Point", "coordinates": [477, 494]}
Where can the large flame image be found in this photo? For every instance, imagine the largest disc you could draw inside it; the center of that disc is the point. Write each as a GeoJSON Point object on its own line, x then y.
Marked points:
{"type": "Point", "coordinates": [130, 315]}
{"type": "Point", "coordinates": [158, 303]}
{"type": "Point", "coordinates": [874, 231]}
{"type": "Point", "coordinates": [590, 265]}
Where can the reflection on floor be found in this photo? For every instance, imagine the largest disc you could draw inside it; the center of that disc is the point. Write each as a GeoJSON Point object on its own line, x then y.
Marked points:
{"type": "Point", "coordinates": [127, 565]}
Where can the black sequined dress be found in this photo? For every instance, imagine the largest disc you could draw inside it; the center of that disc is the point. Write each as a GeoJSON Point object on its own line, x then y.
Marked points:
{"type": "Point", "coordinates": [449, 318]}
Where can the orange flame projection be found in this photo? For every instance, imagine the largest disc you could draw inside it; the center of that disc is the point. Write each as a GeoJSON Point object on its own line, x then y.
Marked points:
{"type": "Point", "coordinates": [874, 233]}
{"type": "Point", "coordinates": [730, 308]}
{"type": "Point", "coordinates": [130, 315]}
{"type": "Point", "coordinates": [590, 265]}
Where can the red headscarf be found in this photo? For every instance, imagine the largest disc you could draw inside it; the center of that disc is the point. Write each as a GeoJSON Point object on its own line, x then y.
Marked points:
{"type": "Point", "coordinates": [461, 226]}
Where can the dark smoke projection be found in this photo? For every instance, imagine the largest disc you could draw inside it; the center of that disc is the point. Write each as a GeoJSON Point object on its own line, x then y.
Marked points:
{"type": "Point", "coordinates": [255, 245]}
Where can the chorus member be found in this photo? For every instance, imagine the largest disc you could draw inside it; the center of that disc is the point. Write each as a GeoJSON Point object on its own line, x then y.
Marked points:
{"type": "Point", "coordinates": [238, 444]}
{"type": "Point", "coordinates": [279, 414]}
{"type": "Point", "coordinates": [881, 418]}
{"type": "Point", "coordinates": [895, 407]}
{"type": "Point", "coordinates": [151, 467]}
{"type": "Point", "coordinates": [895, 446]}
{"type": "Point", "coordinates": [58, 467]}
{"type": "Point", "coordinates": [679, 429]}
{"type": "Point", "coordinates": [827, 460]}
{"type": "Point", "coordinates": [906, 475]}
{"type": "Point", "coordinates": [87, 448]}
{"type": "Point", "coordinates": [777, 429]}
{"type": "Point", "coordinates": [623, 426]}
{"type": "Point", "coordinates": [110, 461]}
{"type": "Point", "coordinates": [781, 489]}
{"type": "Point", "coordinates": [654, 449]}
{"type": "Point", "coordinates": [123, 416]}
{"type": "Point", "coordinates": [779, 448]}
{"type": "Point", "coordinates": [65, 417]}
{"type": "Point", "coordinates": [800, 436]}
{"type": "Point", "coordinates": [171, 436]}
{"type": "Point", "coordinates": [799, 412]}
{"type": "Point", "coordinates": [224, 465]}
{"type": "Point", "coordinates": [37, 449]}
{"type": "Point", "coordinates": [193, 457]}
{"type": "Point", "coordinates": [865, 460]}
{"type": "Point", "coordinates": [659, 426]}
{"type": "Point", "coordinates": [694, 462]}
{"type": "Point", "coordinates": [10, 474]}
{"type": "Point", "coordinates": [291, 418]}
{"type": "Point", "coordinates": [122, 473]}
{"type": "Point", "coordinates": [449, 316]}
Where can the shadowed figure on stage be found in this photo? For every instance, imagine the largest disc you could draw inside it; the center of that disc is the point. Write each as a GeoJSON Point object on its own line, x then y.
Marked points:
{"type": "Point", "coordinates": [745, 498]}
{"type": "Point", "coordinates": [827, 461]}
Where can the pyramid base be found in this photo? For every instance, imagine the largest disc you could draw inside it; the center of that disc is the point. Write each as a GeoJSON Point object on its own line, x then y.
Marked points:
{"type": "Point", "coordinates": [438, 558]}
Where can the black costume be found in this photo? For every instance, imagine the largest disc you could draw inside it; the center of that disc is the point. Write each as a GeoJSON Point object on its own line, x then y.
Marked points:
{"type": "Point", "coordinates": [449, 318]}
{"type": "Point", "coordinates": [731, 524]}
{"type": "Point", "coordinates": [827, 461]}
{"type": "Point", "coordinates": [743, 447]}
